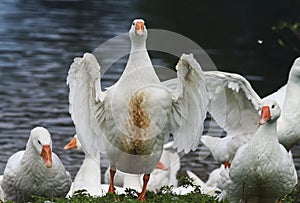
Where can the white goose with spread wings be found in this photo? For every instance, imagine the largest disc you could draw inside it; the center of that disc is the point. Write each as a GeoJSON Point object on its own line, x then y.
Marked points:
{"type": "Point", "coordinates": [135, 114]}
{"type": "Point", "coordinates": [234, 106]}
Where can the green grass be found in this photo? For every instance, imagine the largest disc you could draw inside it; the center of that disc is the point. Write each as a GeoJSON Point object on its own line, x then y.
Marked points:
{"type": "Point", "coordinates": [294, 196]}
{"type": "Point", "coordinates": [165, 196]}
{"type": "Point", "coordinates": [130, 198]}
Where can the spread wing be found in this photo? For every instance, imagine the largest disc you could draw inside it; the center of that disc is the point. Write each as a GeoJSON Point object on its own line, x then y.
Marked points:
{"type": "Point", "coordinates": [189, 108]}
{"type": "Point", "coordinates": [233, 103]}
{"type": "Point", "coordinates": [87, 103]}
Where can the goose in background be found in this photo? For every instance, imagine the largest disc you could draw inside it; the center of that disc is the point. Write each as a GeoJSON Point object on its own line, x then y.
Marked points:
{"type": "Point", "coordinates": [215, 176]}
{"type": "Point", "coordinates": [130, 120]}
{"type": "Point", "coordinates": [89, 175]}
{"type": "Point", "coordinates": [262, 170]}
{"type": "Point", "coordinates": [219, 148]}
{"type": "Point", "coordinates": [35, 171]}
{"type": "Point", "coordinates": [205, 189]}
{"type": "Point", "coordinates": [288, 99]}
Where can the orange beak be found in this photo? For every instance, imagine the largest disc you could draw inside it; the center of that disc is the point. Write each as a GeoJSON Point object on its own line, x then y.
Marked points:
{"type": "Point", "coordinates": [139, 27]}
{"type": "Point", "coordinates": [160, 165]}
{"type": "Point", "coordinates": [265, 115]}
{"type": "Point", "coordinates": [72, 144]}
{"type": "Point", "coordinates": [47, 155]}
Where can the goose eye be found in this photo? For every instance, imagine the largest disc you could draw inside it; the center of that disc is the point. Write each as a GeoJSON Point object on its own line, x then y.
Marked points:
{"type": "Point", "coordinates": [133, 23]}
{"type": "Point", "coordinates": [273, 106]}
{"type": "Point", "coordinates": [39, 142]}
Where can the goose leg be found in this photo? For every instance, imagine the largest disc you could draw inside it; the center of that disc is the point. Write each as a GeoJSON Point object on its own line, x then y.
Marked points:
{"type": "Point", "coordinates": [142, 195]}
{"type": "Point", "coordinates": [111, 188]}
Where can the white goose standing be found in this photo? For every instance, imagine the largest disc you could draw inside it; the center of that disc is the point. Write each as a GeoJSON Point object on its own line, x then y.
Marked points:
{"type": "Point", "coordinates": [234, 106]}
{"type": "Point", "coordinates": [135, 114]}
{"type": "Point", "coordinates": [36, 171]}
{"type": "Point", "coordinates": [262, 170]}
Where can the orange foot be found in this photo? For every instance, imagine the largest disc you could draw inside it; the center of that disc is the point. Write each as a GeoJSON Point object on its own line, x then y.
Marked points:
{"type": "Point", "coordinates": [142, 195]}
{"type": "Point", "coordinates": [141, 198]}
{"type": "Point", "coordinates": [111, 190]}
{"type": "Point", "coordinates": [117, 199]}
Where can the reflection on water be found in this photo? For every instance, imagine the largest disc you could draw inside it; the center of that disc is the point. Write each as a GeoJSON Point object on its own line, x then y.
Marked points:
{"type": "Point", "coordinates": [39, 39]}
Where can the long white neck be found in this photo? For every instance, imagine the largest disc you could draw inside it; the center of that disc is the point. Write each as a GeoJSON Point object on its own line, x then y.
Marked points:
{"type": "Point", "coordinates": [290, 116]}
{"type": "Point", "coordinates": [138, 45]}
{"type": "Point", "coordinates": [292, 100]}
{"type": "Point", "coordinates": [267, 133]}
{"type": "Point", "coordinates": [139, 65]}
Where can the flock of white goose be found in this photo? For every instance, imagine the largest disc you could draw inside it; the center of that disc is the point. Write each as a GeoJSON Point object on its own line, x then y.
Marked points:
{"type": "Point", "coordinates": [131, 121]}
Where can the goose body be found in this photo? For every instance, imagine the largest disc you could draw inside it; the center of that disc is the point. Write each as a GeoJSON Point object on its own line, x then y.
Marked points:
{"type": "Point", "coordinates": [262, 170]}
{"type": "Point", "coordinates": [130, 120]}
{"type": "Point", "coordinates": [35, 171]}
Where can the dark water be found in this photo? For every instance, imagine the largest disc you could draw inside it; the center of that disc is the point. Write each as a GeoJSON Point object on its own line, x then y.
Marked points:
{"type": "Point", "coordinates": [39, 39]}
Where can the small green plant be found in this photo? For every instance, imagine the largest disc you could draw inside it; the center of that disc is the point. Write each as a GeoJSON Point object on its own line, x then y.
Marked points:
{"type": "Point", "coordinates": [167, 189]}
{"type": "Point", "coordinates": [288, 35]}
{"type": "Point", "coordinates": [293, 197]}
{"type": "Point", "coordinates": [185, 181]}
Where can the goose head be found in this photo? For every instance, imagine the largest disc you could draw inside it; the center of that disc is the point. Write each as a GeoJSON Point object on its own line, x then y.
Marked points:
{"type": "Point", "coordinates": [74, 144]}
{"type": "Point", "coordinates": [269, 112]}
{"type": "Point", "coordinates": [138, 31]}
{"type": "Point", "coordinates": [295, 71]}
{"type": "Point", "coordinates": [41, 140]}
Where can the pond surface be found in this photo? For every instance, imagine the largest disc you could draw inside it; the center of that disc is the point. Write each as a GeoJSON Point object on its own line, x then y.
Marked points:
{"type": "Point", "coordinates": [39, 39]}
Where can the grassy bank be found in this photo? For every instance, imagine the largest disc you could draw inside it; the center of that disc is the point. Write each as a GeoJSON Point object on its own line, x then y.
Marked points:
{"type": "Point", "coordinates": [165, 196]}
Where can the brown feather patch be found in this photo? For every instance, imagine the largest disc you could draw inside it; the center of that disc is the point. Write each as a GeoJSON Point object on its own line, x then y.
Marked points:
{"type": "Point", "coordinates": [139, 141]}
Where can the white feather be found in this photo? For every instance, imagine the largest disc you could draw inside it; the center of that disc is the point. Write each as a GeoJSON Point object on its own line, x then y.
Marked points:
{"type": "Point", "coordinates": [189, 104]}
{"type": "Point", "coordinates": [87, 103]}
{"type": "Point", "coordinates": [234, 104]}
